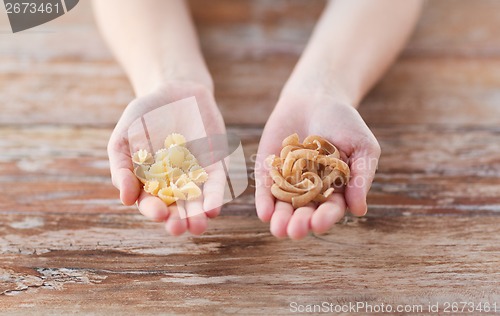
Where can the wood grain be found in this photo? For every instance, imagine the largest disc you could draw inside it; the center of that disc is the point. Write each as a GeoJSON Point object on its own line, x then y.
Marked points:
{"type": "Point", "coordinates": [67, 245]}
{"type": "Point", "coordinates": [126, 264]}
{"type": "Point", "coordinates": [452, 51]}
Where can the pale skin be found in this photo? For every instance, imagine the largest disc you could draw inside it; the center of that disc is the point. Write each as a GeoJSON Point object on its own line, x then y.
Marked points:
{"type": "Point", "coordinates": [352, 45]}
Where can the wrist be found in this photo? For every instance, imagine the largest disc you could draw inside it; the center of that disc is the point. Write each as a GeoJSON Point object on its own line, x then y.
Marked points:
{"type": "Point", "coordinates": [318, 87]}
{"type": "Point", "coordinates": [321, 73]}
{"type": "Point", "coordinates": [150, 79]}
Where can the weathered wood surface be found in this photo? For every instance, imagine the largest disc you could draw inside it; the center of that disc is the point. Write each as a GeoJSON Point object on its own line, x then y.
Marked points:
{"type": "Point", "coordinates": [68, 246]}
{"type": "Point", "coordinates": [447, 73]}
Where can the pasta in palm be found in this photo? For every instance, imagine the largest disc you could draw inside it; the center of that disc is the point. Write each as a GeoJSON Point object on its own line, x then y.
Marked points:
{"type": "Point", "coordinates": [172, 174]}
{"type": "Point", "coordinates": [142, 157]}
{"type": "Point", "coordinates": [308, 171]}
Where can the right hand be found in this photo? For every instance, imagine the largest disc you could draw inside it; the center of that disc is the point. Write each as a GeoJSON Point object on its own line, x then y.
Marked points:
{"type": "Point", "coordinates": [121, 165]}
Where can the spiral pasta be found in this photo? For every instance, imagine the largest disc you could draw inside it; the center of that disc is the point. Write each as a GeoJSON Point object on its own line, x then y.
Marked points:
{"type": "Point", "coordinates": [308, 171]}
{"type": "Point", "coordinates": [172, 174]}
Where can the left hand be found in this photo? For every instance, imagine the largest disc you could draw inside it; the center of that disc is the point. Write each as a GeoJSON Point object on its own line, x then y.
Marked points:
{"type": "Point", "coordinates": [342, 125]}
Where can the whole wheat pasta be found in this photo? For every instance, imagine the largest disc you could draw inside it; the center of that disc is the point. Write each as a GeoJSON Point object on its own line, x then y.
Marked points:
{"type": "Point", "coordinates": [308, 171]}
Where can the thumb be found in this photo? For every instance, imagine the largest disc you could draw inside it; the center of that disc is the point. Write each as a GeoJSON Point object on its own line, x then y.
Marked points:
{"type": "Point", "coordinates": [362, 173]}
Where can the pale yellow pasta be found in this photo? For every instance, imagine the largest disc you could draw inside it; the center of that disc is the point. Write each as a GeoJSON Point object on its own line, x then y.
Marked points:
{"type": "Point", "coordinates": [178, 194]}
{"type": "Point", "coordinates": [174, 139]}
{"type": "Point", "coordinates": [198, 174]}
{"type": "Point", "coordinates": [157, 168]}
{"type": "Point", "coordinates": [167, 195]}
{"type": "Point", "coordinates": [140, 173]}
{"type": "Point", "coordinates": [161, 155]}
{"type": "Point", "coordinates": [190, 157]}
{"type": "Point", "coordinates": [156, 171]}
{"type": "Point", "coordinates": [189, 164]}
{"type": "Point", "coordinates": [176, 156]}
{"type": "Point", "coordinates": [152, 187]}
{"type": "Point", "coordinates": [142, 157]}
{"type": "Point", "coordinates": [182, 180]}
{"type": "Point", "coordinates": [191, 190]}
{"type": "Point", "coordinates": [173, 173]}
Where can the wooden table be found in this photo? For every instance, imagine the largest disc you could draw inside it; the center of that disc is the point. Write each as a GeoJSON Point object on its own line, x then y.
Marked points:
{"type": "Point", "coordinates": [431, 235]}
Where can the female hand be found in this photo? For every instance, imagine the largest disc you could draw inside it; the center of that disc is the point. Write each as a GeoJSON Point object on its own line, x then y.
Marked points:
{"type": "Point", "coordinates": [121, 166]}
{"type": "Point", "coordinates": [337, 122]}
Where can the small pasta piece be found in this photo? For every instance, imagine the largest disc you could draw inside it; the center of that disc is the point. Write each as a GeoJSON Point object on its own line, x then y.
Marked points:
{"type": "Point", "coordinates": [174, 140]}
{"type": "Point", "coordinates": [162, 155]}
{"type": "Point", "coordinates": [178, 194]}
{"type": "Point", "coordinates": [182, 180]}
{"type": "Point", "coordinates": [140, 173]}
{"type": "Point", "coordinates": [198, 174]}
{"type": "Point", "coordinates": [176, 156]}
{"type": "Point", "coordinates": [152, 187]}
{"type": "Point", "coordinates": [142, 157]}
{"type": "Point", "coordinates": [167, 195]}
{"type": "Point", "coordinates": [157, 167]}
{"type": "Point", "coordinates": [189, 164]}
{"type": "Point", "coordinates": [292, 140]}
{"type": "Point", "coordinates": [191, 191]}
{"type": "Point", "coordinates": [172, 174]}
{"type": "Point", "coordinates": [156, 171]}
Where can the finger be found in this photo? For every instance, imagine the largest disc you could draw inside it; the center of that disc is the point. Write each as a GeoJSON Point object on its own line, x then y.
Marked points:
{"type": "Point", "coordinates": [176, 223]}
{"type": "Point", "coordinates": [194, 207]}
{"type": "Point", "coordinates": [328, 213]}
{"type": "Point", "coordinates": [213, 190]}
{"type": "Point", "coordinates": [152, 207]}
{"type": "Point", "coordinates": [120, 165]}
{"type": "Point", "coordinates": [130, 187]}
{"type": "Point", "coordinates": [298, 227]}
{"type": "Point", "coordinates": [197, 224]}
{"type": "Point", "coordinates": [362, 174]}
{"type": "Point", "coordinates": [213, 212]}
{"type": "Point", "coordinates": [280, 218]}
{"type": "Point", "coordinates": [264, 199]}
{"type": "Point", "coordinates": [196, 218]}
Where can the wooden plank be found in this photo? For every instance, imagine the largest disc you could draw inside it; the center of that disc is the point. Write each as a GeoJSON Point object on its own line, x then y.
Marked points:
{"type": "Point", "coordinates": [415, 91]}
{"type": "Point", "coordinates": [68, 93]}
{"type": "Point", "coordinates": [65, 240]}
{"type": "Point", "coordinates": [436, 91]}
{"type": "Point", "coordinates": [59, 263]}
{"type": "Point", "coordinates": [446, 28]}
{"type": "Point", "coordinates": [73, 79]}
{"type": "Point", "coordinates": [457, 28]}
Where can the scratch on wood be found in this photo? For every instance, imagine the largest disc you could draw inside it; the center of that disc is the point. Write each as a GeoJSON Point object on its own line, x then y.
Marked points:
{"type": "Point", "coordinates": [14, 283]}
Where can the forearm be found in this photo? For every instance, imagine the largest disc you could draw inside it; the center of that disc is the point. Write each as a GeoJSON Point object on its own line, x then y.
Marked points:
{"type": "Point", "coordinates": [154, 40]}
{"type": "Point", "coordinates": [353, 44]}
